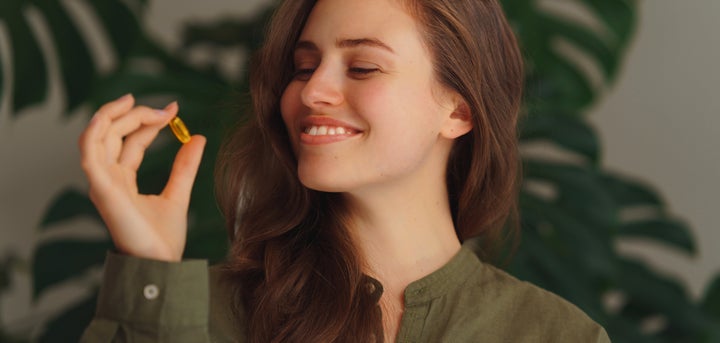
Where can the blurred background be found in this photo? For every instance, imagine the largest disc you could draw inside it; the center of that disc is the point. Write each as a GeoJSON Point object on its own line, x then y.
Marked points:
{"type": "Point", "coordinates": [621, 149]}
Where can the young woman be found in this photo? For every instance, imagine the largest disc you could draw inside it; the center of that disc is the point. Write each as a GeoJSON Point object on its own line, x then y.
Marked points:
{"type": "Point", "coordinates": [383, 136]}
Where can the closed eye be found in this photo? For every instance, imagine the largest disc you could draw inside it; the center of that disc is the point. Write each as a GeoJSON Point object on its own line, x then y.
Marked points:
{"type": "Point", "coordinates": [303, 74]}
{"type": "Point", "coordinates": [363, 71]}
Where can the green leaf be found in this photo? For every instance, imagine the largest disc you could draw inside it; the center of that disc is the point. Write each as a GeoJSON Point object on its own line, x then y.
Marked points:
{"type": "Point", "coordinates": [568, 236]}
{"type": "Point", "coordinates": [560, 85]}
{"type": "Point", "coordinates": [211, 244]}
{"type": "Point", "coordinates": [663, 230]}
{"type": "Point", "coordinates": [69, 204]}
{"type": "Point", "coordinates": [562, 275]}
{"type": "Point", "coordinates": [30, 79]}
{"type": "Point", "coordinates": [657, 294]}
{"type": "Point", "coordinates": [579, 192]}
{"type": "Point", "coordinates": [588, 42]}
{"type": "Point", "coordinates": [711, 299]}
{"type": "Point", "coordinates": [121, 25]}
{"type": "Point", "coordinates": [5, 279]}
{"type": "Point", "coordinates": [30, 74]}
{"type": "Point", "coordinates": [618, 16]}
{"type": "Point", "coordinates": [568, 132]}
{"type": "Point", "coordinates": [626, 330]}
{"type": "Point", "coordinates": [77, 66]}
{"type": "Point", "coordinates": [69, 326]}
{"type": "Point", "coordinates": [58, 261]}
{"type": "Point", "coordinates": [628, 192]}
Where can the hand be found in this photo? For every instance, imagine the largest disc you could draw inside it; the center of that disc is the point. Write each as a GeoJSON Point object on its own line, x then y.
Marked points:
{"type": "Point", "coordinates": [112, 148]}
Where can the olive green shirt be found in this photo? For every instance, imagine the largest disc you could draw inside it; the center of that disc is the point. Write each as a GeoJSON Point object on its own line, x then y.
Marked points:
{"type": "Point", "coordinates": [464, 301]}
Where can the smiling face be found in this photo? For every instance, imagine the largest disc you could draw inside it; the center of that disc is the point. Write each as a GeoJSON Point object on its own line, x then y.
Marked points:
{"type": "Point", "coordinates": [363, 108]}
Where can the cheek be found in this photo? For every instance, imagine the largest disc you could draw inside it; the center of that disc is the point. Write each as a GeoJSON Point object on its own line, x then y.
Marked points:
{"type": "Point", "coordinates": [290, 104]}
{"type": "Point", "coordinates": [406, 108]}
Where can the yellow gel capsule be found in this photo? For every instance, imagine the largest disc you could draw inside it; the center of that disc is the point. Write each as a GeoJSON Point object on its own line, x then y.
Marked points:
{"type": "Point", "coordinates": [180, 130]}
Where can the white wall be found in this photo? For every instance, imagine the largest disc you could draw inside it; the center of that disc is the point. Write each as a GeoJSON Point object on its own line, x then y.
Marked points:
{"type": "Point", "coordinates": [660, 123]}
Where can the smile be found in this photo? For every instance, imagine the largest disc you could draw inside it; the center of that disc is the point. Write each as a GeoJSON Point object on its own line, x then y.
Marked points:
{"type": "Point", "coordinates": [323, 130]}
{"type": "Point", "coordinates": [326, 134]}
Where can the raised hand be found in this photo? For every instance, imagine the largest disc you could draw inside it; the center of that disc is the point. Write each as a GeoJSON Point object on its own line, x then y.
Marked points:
{"type": "Point", "coordinates": [112, 147]}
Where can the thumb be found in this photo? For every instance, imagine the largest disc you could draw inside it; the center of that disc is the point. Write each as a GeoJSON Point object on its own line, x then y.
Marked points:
{"type": "Point", "coordinates": [184, 170]}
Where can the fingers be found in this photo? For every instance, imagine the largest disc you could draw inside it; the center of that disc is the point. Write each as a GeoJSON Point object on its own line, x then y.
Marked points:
{"type": "Point", "coordinates": [91, 140]}
{"type": "Point", "coordinates": [135, 144]}
{"type": "Point", "coordinates": [184, 170]}
{"type": "Point", "coordinates": [116, 138]}
{"type": "Point", "coordinates": [136, 120]}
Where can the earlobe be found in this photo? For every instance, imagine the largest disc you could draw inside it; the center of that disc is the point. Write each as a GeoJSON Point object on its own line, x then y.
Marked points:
{"type": "Point", "coordinates": [458, 123]}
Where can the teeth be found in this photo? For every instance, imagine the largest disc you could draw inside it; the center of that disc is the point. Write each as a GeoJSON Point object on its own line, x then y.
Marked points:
{"type": "Point", "coordinates": [325, 130]}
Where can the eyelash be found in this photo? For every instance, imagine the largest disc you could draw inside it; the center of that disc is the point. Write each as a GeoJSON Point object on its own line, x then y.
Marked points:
{"type": "Point", "coordinates": [360, 71]}
{"type": "Point", "coordinates": [364, 71]}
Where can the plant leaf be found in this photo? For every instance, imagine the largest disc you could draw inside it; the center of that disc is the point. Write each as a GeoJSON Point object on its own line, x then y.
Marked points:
{"type": "Point", "coordinates": [566, 131]}
{"type": "Point", "coordinates": [569, 236]}
{"type": "Point", "coordinates": [590, 43]}
{"type": "Point", "coordinates": [69, 326]}
{"type": "Point", "coordinates": [30, 73]}
{"type": "Point", "coordinates": [562, 275]}
{"type": "Point", "coordinates": [69, 204]}
{"type": "Point", "coordinates": [579, 192]}
{"type": "Point", "coordinates": [121, 25]}
{"type": "Point", "coordinates": [30, 80]}
{"type": "Point", "coordinates": [659, 295]}
{"type": "Point", "coordinates": [618, 16]}
{"type": "Point", "coordinates": [711, 299]}
{"type": "Point", "coordinates": [58, 261]}
{"type": "Point", "coordinates": [559, 85]}
{"type": "Point", "coordinates": [628, 192]}
{"type": "Point", "coordinates": [78, 67]}
{"type": "Point", "coordinates": [668, 231]}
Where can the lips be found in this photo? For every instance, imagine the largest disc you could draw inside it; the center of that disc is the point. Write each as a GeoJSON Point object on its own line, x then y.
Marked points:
{"type": "Point", "coordinates": [322, 130]}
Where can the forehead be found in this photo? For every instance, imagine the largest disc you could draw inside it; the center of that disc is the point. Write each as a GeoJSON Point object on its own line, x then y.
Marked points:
{"type": "Point", "coordinates": [386, 20]}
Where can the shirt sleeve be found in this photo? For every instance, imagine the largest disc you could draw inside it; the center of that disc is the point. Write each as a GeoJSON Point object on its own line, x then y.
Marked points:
{"type": "Point", "coordinates": [144, 300]}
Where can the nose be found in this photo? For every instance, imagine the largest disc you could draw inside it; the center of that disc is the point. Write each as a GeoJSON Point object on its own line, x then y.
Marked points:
{"type": "Point", "coordinates": [323, 89]}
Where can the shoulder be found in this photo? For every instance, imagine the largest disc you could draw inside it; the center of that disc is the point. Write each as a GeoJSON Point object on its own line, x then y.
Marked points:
{"type": "Point", "coordinates": [524, 312]}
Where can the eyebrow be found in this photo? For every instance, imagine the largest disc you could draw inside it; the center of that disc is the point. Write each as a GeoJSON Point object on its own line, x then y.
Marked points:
{"type": "Point", "coordinates": [346, 43]}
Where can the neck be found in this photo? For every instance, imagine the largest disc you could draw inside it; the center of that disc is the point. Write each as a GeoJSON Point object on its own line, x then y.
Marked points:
{"type": "Point", "coordinates": [404, 232]}
{"type": "Point", "coordinates": [403, 236]}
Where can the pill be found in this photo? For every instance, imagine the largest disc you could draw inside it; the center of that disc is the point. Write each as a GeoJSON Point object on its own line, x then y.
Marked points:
{"type": "Point", "coordinates": [180, 130]}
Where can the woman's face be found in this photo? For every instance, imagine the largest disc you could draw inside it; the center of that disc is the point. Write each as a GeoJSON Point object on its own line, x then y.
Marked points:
{"type": "Point", "coordinates": [363, 109]}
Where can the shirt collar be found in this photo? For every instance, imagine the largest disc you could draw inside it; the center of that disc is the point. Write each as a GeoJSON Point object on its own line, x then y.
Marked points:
{"type": "Point", "coordinates": [450, 276]}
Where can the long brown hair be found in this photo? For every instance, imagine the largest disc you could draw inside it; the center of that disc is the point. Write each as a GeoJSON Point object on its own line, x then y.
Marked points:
{"type": "Point", "coordinates": [297, 272]}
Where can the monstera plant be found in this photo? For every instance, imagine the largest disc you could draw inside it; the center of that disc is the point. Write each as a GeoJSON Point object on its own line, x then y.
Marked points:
{"type": "Point", "coordinates": [573, 210]}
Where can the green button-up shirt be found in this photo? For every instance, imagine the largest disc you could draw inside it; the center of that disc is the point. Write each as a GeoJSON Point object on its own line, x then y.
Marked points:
{"type": "Point", "coordinates": [464, 301]}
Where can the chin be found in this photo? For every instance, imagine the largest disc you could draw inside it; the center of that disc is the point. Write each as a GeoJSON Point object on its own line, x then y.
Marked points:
{"type": "Point", "coordinates": [325, 180]}
{"type": "Point", "coordinates": [321, 183]}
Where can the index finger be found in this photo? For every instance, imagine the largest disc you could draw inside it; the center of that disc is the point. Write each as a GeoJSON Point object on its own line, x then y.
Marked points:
{"type": "Point", "coordinates": [91, 138]}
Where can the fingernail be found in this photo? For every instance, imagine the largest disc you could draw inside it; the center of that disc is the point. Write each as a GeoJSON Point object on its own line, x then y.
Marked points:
{"type": "Point", "coordinates": [161, 112]}
{"type": "Point", "coordinates": [170, 105]}
{"type": "Point", "coordinates": [124, 97]}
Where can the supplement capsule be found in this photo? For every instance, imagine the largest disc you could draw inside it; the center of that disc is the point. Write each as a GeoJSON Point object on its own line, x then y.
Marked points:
{"type": "Point", "coordinates": [180, 130]}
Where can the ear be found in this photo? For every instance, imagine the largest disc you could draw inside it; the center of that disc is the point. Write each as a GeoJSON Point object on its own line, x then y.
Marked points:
{"type": "Point", "coordinates": [459, 122]}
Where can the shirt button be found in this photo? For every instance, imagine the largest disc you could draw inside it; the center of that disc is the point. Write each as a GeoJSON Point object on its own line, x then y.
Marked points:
{"type": "Point", "coordinates": [151, 291]}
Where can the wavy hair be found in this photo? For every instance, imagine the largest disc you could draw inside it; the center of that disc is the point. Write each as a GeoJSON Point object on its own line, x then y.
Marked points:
{"type": "Point", "coordinates": [297, 274]}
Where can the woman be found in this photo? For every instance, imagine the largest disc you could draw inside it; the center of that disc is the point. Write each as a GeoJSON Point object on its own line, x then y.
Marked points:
{"type": "Point", "coordinates": [383, 137]}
